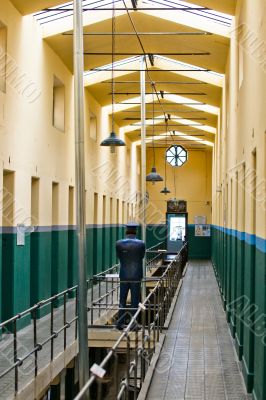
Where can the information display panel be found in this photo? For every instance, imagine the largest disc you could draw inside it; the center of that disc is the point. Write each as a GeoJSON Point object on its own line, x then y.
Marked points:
{"type": "Point", "coordinates": [176, 231]}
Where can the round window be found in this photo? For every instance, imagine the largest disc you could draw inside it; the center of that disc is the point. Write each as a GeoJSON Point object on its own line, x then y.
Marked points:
{"type": "Point", "coordinates": [176, 156]}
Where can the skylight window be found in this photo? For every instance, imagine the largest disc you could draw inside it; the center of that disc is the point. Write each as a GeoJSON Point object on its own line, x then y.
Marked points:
{"type": "Point", "coordinates": [66, 10]}
{"type": "Point", "coordinates": [117, 64]}
{"type": "Point", "coordinates": [185, 65]}
{"type": "Point", "coordinates": [213, 16]}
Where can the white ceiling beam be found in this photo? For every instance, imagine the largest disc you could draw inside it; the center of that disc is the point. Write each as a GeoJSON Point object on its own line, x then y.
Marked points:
{"type": "Point", "coordinates": [65, 24]}
{"type": "Point", "coordinates": [125, 105]}
{"type": "Point", "coordinates": [175, 118]}
{"type": "Point", "coordinates": [101, 76]}
{"type": "Point", "coordinates": [203, 76]}
{"type": "Point", "coordinates": [194, 103]}
{"type": "Point", "coordinates": [160, 63]}
{"type": "Point", "coordinates": [179, 135]}
{"type": "Point", "coordinates": [190, 20]}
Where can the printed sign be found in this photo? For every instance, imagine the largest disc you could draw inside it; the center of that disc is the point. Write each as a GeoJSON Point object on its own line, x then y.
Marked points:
{"type": "Point", "coordinates": [203, 230]}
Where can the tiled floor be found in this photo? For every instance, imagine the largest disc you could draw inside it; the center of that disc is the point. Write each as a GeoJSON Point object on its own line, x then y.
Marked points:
{"type": "Point", "coordinates": [198, 361]}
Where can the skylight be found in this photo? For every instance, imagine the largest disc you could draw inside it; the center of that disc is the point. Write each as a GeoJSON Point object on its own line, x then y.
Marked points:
{"type": "Point", "coordinates": [66, 10]}
{"type": "Point", "coordinates": [179, 64]}
{"type": "Point", "coordinates": [185, 65]}
{"type": "Point", "coordinates": [213, 16]}
{"type": "Point", "coordinates": [180, 135]}
{"type": "Point", "coordinates": [116, 65]}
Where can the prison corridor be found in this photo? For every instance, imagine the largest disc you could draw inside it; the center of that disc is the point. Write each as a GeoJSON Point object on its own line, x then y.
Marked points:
{"type": "Point", "coordinates": [198, 360]}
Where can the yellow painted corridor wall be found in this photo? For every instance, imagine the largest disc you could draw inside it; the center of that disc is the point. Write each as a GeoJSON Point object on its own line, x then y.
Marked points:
{"type": "Point", "coordinates": [193, 184]}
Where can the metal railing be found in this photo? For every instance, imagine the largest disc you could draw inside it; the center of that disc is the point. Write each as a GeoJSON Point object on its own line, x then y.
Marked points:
{"type": "Point", "coordinates": [56, 324]}
{"type": "Point", "coordinates": [155, 254]}
{"type": "Point", "coordinates": [51, 326]}
{"type": "Point", "coordinates": [105, 286]}
{"type": "Point", "coordinates": [138, 345]}
{"type": "Point", "coordinates": [106, 302]}
{"type": "Point", "coordinates": [108, 284]}
{"type": "Point", "coordinates": [50, 323]}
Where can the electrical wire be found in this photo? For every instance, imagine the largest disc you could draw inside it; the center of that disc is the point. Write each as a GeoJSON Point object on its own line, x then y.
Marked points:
{"type": "Point", "coordinates": [153, 126]}
{"type": "Point", "coordinates": [113, 60]}
{"type": "Point", "coordinates": [165, 173]}
{"type": "Point", "coordinates": [174, 168]}
{"type": "Point", "coordinates": [145, 54]}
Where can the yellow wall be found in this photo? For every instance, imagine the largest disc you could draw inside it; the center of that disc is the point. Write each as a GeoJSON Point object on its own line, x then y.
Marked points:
{"type": "Point", "coordinates": [31, 146]}
{"type": "Point", "coordinates": [242, 131]}
{"type": "Point", "coordinates": [193, 184]}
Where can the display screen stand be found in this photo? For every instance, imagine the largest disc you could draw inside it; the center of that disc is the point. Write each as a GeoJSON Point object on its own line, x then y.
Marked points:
{"type": "Point", "coordinates": [176, 231]}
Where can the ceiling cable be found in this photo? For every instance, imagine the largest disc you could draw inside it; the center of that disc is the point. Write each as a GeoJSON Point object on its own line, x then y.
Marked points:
{"type": "Point", "coordinates": [113, 60]}
{"type": "Point", "coordinates": [145, 54]}
{"type": "Point", "coordinates": [174, 181]}
{"type": "Point", "coordinates": [153, 129]}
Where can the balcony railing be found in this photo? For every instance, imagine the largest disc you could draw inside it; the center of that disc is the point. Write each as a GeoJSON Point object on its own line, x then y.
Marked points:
{"type": "Point", "coordinates": [51, 324]}
{"type": "Point", "coordinates": [139, 345]}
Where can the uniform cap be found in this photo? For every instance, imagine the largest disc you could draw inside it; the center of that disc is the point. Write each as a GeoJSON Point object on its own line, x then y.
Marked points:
{"type": "Point", "coordinates": [132, 225]}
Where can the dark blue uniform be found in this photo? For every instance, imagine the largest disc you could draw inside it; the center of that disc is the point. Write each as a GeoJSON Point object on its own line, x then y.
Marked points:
{"type": "Point", "coordinates": [130, 252]}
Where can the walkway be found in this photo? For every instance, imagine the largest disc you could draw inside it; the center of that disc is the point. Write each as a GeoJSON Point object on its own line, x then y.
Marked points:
{"type": "Point", "coordinates": [25, 344]}
{"type": "Point", "coordinates": [198, 361]}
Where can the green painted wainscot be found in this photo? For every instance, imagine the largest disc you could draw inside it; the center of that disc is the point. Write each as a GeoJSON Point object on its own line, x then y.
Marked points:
{"type": "Point", "coordinates": [46, 264]}
{"type": "Point", "coordinates": [239, 261]}
{"type": "Point", "coordinates": [198, 247]}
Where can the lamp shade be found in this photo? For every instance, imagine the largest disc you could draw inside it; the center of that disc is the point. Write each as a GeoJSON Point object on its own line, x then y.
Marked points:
{"type": "Point", "coordinates": [113, 140]}
{"type": "Point", "coordinates": [165, 191]}
{"type": "Point", "coordinates": [153, 176]}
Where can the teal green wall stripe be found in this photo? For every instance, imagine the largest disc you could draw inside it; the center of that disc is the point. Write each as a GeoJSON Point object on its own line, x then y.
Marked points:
{"type": "Point", "coordinates": [198, 247]}
{"type": "Point", "coordinates": [247, 237]}
{"type": "Point", "coordinates": [72, 276]}
{"type": "Point", "coordinates": [260, 327]}
{"type": "Point", "coordinates": [47, 263]}
{"type": "Point", "coordinates": [155, 233]}
{"type": "Point", "coordinates": [239, 260]}
{"type": "Point", "coordinates": [16, 274]}
{"type": "Point", "coordinates": [1, 289]}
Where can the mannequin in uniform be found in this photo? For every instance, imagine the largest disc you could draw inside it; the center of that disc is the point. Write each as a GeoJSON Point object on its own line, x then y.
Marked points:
{"type": "Point", "coordinates": [130, 252]}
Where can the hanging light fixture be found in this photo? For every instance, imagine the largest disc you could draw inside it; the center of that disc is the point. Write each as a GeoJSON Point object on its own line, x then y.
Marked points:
{"type": "Point", "coordinates": [153, 176]}
{"type": "Point", "coordinates": [113, 140]}
{"type": "Point", "coordinates": [165, 190]}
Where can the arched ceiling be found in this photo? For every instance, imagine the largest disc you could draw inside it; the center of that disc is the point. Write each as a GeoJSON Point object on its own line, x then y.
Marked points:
{"type": "Point", "coordinates": [31, 6]}
{"type": "Point", "coordinates": [224, 6]}
{"type": "Point", "coordinates": [190, 54]}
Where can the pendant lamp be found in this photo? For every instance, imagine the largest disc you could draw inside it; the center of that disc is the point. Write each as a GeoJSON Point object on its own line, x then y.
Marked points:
{"type": "Point", "coordinates": [113, 140]}
{"type": "Point", "coordinates": [153, 176]}
{"type": "Point", "coordinates": [165, 191]}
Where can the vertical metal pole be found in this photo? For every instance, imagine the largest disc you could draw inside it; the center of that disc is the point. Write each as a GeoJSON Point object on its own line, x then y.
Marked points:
{"type": "Point", "coordinates": [80, 193]}
{"type": "Point", "coordinates": [143, 161]}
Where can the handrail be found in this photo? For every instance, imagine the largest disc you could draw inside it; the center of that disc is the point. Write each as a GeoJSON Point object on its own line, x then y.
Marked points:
{"type": "Point", "coordinates": [41, 303]}
{"type": "Point", "coordinates": [155, 246]}
{"type": "Point", "coordinates": [54, 302]}
{"type": "Point", "coordinates": [171, 277]}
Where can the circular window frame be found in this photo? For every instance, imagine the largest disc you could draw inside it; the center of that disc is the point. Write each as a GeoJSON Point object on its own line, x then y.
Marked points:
{"type": "Point", "coordinates": [176, 155]}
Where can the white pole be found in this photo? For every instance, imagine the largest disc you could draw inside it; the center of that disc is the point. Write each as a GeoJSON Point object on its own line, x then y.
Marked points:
{"type": "Point", "coordinates": [80, 193]}
{"type": "Point", "coordinates": [143, 161]}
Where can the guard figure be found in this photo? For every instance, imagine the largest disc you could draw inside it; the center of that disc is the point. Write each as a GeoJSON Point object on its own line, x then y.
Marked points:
{"type": "Point", "coordinates": [130, 252]}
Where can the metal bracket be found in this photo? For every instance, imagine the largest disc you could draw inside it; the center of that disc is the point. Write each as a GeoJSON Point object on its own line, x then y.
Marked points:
{"type": "Point", "coordinates": [98, 371]}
